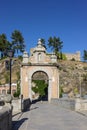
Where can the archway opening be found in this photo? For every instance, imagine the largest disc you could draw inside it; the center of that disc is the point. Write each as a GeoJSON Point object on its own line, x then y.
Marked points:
{"type": "Point", "coordinates": [40, 86]}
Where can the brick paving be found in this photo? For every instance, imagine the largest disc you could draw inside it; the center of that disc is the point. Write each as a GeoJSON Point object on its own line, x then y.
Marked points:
{"type": "Point", "coordinates": [45, 116]}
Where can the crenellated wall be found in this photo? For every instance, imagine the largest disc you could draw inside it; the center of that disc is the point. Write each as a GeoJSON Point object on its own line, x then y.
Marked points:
{"type": "Point", "coordinates": [75, 56]}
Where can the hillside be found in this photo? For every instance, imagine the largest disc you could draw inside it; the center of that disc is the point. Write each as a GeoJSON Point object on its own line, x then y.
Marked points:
{"type": "Point", "coordinates": [71, 75]}
{"type": "Point", "coordinates": [4, 73]}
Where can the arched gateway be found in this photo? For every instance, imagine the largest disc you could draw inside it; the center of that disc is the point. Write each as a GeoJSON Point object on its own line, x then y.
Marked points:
{"type": "Point", "coordinates": [39, 65]}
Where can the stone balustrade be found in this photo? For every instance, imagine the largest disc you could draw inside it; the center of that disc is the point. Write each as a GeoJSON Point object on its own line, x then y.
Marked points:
{"type": "Point", "coordinates": [26, 104]}
{"type": "Point", "coordinates": [5, 116]}
{"type": "Point", "coordinates": [66, 103]}
{"type": "Point", "coordinates": [80, 104]}
{"type": "Point", "coordinates": [20, 104]}
{"type": "Point", "coordinates": [76, 104]}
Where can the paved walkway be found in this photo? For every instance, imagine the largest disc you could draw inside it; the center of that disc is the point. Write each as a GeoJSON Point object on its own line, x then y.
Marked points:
{"type": "Point", "coordinates": [45, 116]}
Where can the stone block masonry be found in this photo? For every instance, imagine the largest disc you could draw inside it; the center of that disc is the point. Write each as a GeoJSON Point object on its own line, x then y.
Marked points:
{"type": "Point", "coordinates": [76, 104]}
{"type": "Point", "coordinates": [71, 56]}
{"type": "Point", "coordinates": [5, 118]}
{"type": "Point", "coordinates": [39, 62]}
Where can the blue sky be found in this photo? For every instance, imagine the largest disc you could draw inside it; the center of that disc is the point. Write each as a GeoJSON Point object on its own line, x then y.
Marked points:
{"type": "Point", "coordinates": [36, 19]}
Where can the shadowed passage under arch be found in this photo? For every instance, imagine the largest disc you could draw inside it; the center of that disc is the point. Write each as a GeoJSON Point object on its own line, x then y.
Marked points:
{"type": "Point", "coordinates": [40, 85]}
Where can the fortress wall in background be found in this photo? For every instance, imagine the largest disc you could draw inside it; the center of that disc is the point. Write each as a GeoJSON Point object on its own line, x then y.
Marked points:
{"type": "Point", "coordinates": [71, 56]}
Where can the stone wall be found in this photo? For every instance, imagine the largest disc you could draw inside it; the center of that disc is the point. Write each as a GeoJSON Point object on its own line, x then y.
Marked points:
{"type": "Point", "coordinates": [66, 103]}
{"type": "Point", "coordinates": [5, 88]}
{"type": "Point", "coordinates": [81, 104]}
{"type": "Point", "coordinates": [16, 103]}
{"type": "Point", "coordinates": [5, 117]}
{"type": "Point", "coordinates": [73, 104]}
{"type": "Point", "coordinates": [25, 104]}
{"type": "Point", "coordinates": [20, 105]}
{"type": "Point", "coordinates": [71, 56]}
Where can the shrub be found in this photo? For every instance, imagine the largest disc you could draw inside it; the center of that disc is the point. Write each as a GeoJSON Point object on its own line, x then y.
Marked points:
{"type": "Point", "coordinates": [73, 59]}
{"type": "Point", "coordinates": [61, 56]}
{"type": "Point", "coordinates": [64, 57]}
{"type": "Point", "coordinates": [16, 94]}
{"type": "Point", "coordinates": [60, 91]}
{"type": "Point", "coordinates": [20, 57]}
{"type": "Point", "coordinates": [85, 67]}
{"type": "Point", "coordinates": [76, 91]}
{"type": "Point", "coordinates": [40, 87]}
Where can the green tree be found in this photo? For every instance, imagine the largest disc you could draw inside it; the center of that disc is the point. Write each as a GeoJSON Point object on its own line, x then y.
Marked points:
{"type": "Point", "coordinates": [61, 56]}
{"type": "Point", "coordinates": [85, 55]}
{"type": "Point", "coordinates": [60, 91]}
{"type": "Point", "coordinates": [17, 93]}
{"type": "Point", "coordinates": [4, 45]}
{"type": "Point", "coordinates": [40, 87]}
{"type": "Point", "coordinates": [55, 44]}
{"type": "Point", "coordinates": [43, 42]}
{"type": "Point", "coordinates": [17, 41]}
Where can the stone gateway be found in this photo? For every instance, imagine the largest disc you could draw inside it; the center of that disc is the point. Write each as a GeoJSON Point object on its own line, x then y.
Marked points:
{"type": "Point", "coordinates": [40, 66]}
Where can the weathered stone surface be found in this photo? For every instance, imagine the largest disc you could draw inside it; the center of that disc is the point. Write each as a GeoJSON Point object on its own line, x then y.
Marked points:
{"type": "Point", "coordinates": [6, 118]}
{"type": "Point", "coordinates": [71, 76]}
{"type": "Point", "coordinates": [44, 116]}
{"type": "Point", "coordinates": [42, 67]}
{"type": "Point", "coordinates": [6, 98]}
{"type": "Point", "coordinates": [2, 103]}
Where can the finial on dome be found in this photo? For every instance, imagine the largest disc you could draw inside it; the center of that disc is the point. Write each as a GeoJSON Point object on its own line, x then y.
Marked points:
{"type": "Point", "coordinates": [39, 42]}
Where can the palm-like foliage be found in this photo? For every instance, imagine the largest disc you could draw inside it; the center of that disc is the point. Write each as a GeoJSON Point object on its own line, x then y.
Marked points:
{"type": "Point", "coordinates": [85, 55]}
{"type": "Point", "coordinates": [55, 44]}
{"type": "Point", "coordinates": [4, 45]}
{"type": "Point", "coordinates": [16, 45]}
{"type": "Point", "coordinates": [17, 41]}
{"type": "Point", "coordinates": [43, 43]}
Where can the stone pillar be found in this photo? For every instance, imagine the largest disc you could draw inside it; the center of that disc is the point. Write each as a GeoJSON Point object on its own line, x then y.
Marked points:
{"type": "Point", "coordinates": [30, 90]}
{"type": "Point", "coordinates": [78, 104]}
{"type": "Point", "coordinates": [49, 90]}
{"type": "Point", "coordinates": [53, 58]}
{"type": "Point", "coordinates": [25, 57]}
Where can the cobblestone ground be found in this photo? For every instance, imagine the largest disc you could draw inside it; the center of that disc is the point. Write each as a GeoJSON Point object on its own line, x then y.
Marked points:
{"type": "Point", "coordinates": [45, 116]}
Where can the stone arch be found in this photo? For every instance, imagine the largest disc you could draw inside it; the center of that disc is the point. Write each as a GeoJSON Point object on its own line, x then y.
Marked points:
{"type": "Point", "coordinates": [31, 72]}
{"type": "Point", "coordinates": [39, 60]}
{"type": "Point", "coordinates": [40, 75]}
